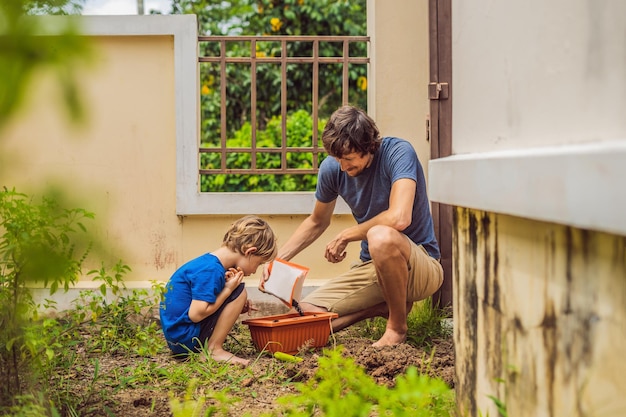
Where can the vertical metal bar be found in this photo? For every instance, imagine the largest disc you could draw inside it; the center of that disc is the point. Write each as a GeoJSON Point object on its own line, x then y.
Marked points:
{"type": "Point", "coordinates": [344, 83]}
{"type": "Point", "coordinates": [441, 135]}
{"type": "Point", "coordinates": [253, 116]}
{"type": "Point", "coordinates": [223, 102]}
{"type": "Point", "coordinates": [283, 103]}
{"type": "Point", "coordinates": [315, 98]}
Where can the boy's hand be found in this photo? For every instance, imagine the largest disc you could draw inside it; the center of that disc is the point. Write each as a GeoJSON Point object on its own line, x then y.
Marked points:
{"type": "Point", "coordinates": [234, 277]}
{"type": "Point", "coordinates": [248, 308]}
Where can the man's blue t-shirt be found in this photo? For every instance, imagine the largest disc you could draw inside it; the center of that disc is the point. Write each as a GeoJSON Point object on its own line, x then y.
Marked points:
{"type": "Point", "coordinates": [367, 194]}
{"type": "Point", "coordinates": [201, 279]}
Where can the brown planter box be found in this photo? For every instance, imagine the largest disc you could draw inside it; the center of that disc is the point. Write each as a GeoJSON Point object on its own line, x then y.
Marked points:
{"type": "Point", "coordinates": [288, 332]}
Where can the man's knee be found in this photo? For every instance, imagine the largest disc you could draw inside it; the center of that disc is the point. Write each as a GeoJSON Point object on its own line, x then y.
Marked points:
{"type": "Point", "coordinates": [382, 238]}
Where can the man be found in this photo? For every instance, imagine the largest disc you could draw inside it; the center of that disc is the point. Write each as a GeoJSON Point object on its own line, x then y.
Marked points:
{"type": "Point", "coordinates": [382, 181]}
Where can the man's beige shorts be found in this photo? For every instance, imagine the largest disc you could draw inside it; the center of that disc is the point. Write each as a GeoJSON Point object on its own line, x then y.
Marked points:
{"type": "Point", "coordinates": [358, 289]}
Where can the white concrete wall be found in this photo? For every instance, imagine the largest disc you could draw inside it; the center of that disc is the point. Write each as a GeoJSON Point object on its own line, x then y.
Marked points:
{"type": "Point", "coordinates": [536, 175]}
{"type": "Point", "coordinates": [535, 73]}
{"type": "Point", "coordinates": [539, 98]}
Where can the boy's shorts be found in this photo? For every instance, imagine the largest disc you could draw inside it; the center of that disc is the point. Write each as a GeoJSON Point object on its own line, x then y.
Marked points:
{"type": "Point", "coordinates": [358, 289]}
{"type": "Point", "coordinates": [207, 326]}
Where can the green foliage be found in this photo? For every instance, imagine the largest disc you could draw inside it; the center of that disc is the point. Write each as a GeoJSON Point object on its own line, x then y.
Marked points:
{"type": "Point", "coordinates": [24, 52]}
{"type": "Point", "coordinates": [500, 406]}
{"type": "Point", "coordinates": [44, 243]}
{"type": "Point", "coordinates": [339, 388]}
{"type": "Point", "coordinates": [107, 320]}
{"type": "Point", "coordinates": [213, 403]}
{"type": "Point", "coordinates": [427, 322]}
{"type": "Point", "coordinates": [498, 402]}
{"type": "Point", "coordinates": [342, 388]}
{"type": "Point", "coordinates": [299, 127]}
{"type": "Point", "coordinates": [40, 243]}
{"type": "Point", "coordinates": [122, 324]}
{"type": "Point", "coordinates": [273, 17]}
{"type": "Point", "coordinates": [27, 406]}
{"type": "Point", "coordinates": [276, 17]}
{"type": "Point", "coordinates": [320, 17]}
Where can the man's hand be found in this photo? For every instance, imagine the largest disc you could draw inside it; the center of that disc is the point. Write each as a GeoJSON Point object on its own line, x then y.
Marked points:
{"type": "Point", "coordinates": [264, 276]}
{"type": "Point", "coordinates": [336, 250]}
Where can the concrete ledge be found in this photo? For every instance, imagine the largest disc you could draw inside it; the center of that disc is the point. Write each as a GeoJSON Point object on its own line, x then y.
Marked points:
{"type": "Point", "coordinates": [265, 303]}
{"type": "Point", "coordinates": [576, 185]}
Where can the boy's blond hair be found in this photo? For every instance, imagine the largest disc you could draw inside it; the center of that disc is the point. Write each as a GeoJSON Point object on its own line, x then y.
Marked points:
{"type": "Point", "coordinates": [251, 231]}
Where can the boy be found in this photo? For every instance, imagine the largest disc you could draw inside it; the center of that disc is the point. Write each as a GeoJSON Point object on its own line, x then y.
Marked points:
{"type": "Point", "coordinates": [206, 295]}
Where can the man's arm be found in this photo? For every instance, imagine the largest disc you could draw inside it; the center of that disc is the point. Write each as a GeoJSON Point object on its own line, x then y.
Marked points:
{"type": "Point", "coordinates": [309, 230]}
{"type": "Point", "coordinates": [397, 216]}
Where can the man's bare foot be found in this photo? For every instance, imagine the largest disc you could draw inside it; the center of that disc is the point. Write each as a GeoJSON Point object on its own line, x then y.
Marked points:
{"type": "Point", "coordinates": [220, 355]}
{"type": "Point", "coordinates": [390, 338]}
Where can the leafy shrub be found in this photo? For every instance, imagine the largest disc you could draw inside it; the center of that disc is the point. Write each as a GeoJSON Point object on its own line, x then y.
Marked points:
{"type": "Point", "coordinates": [342, 388]}
{"type": "Point", "coordinates": [299, 133]}
{"type": "Point", "coordinates": [39, 243]}
{"type": "Point", "coordinates": [117, 319]}
{"type": "Point", "coordinates": [44, 243]}
{"type": "Point", "coordinates": [106, 320]}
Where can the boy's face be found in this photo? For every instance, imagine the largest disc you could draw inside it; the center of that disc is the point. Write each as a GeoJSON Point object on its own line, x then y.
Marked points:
{"type": "Point", "coordinates": [250, 264]}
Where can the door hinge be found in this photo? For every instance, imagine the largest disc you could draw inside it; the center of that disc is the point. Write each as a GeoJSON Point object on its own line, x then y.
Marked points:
{"type": "Point", "coordinates": [438, 91]}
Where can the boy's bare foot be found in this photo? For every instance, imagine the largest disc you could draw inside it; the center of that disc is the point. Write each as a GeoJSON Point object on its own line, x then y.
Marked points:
{"type": "Point", "coordinates": [220, 355]}
{"type": "Point", "coordinates": [390, 338]}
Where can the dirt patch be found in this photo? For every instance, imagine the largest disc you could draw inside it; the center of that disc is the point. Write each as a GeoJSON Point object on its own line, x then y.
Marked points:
{"type": "Point", "coordinates": [268, 379]}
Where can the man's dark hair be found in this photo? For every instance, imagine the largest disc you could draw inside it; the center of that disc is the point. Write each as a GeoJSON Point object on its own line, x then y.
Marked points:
{"type": "Point", "coordinates": [349, 130]}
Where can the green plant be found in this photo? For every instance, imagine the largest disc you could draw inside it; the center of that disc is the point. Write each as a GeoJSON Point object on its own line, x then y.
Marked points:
{"type": "Point", "coordinates": [122, 319]}
{"type": "Point", "coordinates": [24, 51]}
{"type": "Point", "coordinates": [342, 388]}
{"type": "Point", "coordinates": [41, 243]}
{"type": "Point", "coordinates": [210, 404]}
{"type": "Point", "coordinates": [109, 320]}
{"type": "Point", "coordinates": [425, 323]}
{"type": "Point", "coordinates": [500, 406]}
{"type": "Point", "coordinates": [272, 17]}
{"type": "Point", "coordinates": [299, 126]}
{"type": "Point", "coordinates": [29, 405]}
{"type": "Point", "coordinates": [276, 17]}
{"type": "Point", "coordinates": [498, 402]}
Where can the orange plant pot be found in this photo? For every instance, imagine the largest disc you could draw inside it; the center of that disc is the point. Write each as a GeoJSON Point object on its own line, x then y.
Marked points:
{"type": "Point", "coordinates": [288, 332]}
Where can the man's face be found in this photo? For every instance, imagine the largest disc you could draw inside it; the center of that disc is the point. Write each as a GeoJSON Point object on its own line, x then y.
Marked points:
{"type": "Point", "coordinates": [354, 163]}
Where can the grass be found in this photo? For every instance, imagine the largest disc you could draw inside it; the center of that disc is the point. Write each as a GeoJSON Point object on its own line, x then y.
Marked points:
{"type": "Point", "coordinates": [425, 323]}
{"type": "Point", "coordinates": [102, 349]}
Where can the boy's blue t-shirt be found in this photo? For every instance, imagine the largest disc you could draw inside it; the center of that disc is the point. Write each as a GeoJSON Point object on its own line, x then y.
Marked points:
{"type": "Point", "coordinates": [367, 194]}
{"type": "Point", "coordinates": [201, 279]}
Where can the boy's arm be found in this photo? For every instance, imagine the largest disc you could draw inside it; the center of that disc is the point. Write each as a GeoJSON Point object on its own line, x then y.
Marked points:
{"type": "Point", "coordinates": [199, 310]}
